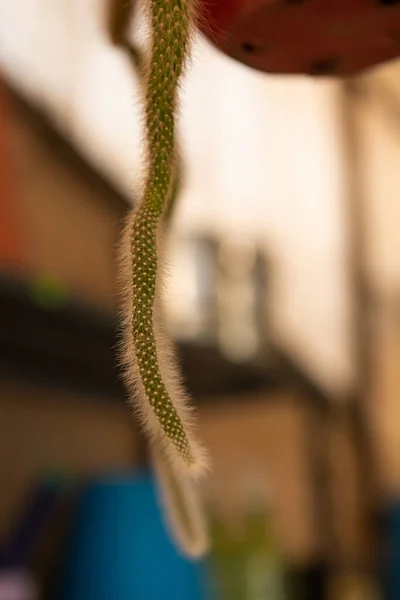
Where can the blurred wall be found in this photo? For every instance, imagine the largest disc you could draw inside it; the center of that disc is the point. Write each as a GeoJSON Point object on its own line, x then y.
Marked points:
{"type": "Point", "coordinates": [378, 126]}
{"type": "Point", "coordinates": [379, 147]}
{"type": "Point", "coordinates": [263, 159]}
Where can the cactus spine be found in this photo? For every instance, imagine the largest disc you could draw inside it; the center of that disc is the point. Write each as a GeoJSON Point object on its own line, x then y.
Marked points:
{"type": "Point", "coordinates": [148, 361]}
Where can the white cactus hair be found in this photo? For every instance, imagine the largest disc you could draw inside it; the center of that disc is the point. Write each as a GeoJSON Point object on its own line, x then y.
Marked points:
{"type": "Point", "coordinates": [148, 362]}
{"type": "Point", "coordinates": [167, 362]}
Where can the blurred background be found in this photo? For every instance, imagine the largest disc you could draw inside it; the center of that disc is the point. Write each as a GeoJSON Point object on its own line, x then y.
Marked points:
{"type": "Point", "coordinates": [283, 300]}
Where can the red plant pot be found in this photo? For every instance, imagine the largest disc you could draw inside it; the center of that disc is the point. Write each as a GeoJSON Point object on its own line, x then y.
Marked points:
{"type": "Point", "coordinates": [11, 242]}
{"type": "Point", "coordinates": [318, 37]}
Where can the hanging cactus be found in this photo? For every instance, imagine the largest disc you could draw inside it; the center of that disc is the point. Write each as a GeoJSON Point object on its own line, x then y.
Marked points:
{"type": "Point", "coordinates": [148, 360]}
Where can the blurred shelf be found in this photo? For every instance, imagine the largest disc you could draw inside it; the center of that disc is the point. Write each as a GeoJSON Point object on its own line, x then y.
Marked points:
{"type": "Point", "coordinates": [73, 346]}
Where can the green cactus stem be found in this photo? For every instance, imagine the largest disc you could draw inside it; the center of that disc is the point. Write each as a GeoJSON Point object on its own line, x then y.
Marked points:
{"type": "Point", "coordinates": [149, 364]}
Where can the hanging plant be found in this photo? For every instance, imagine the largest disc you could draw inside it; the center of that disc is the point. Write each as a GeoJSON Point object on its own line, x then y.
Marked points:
{"type": "Point", "coordinates": [149, 365]}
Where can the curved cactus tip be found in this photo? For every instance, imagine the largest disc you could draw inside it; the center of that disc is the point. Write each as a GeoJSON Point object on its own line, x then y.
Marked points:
{"type": "Point", "coordinates": [182, 508]}
{"type": "Point", "coordinates": [194, 466]}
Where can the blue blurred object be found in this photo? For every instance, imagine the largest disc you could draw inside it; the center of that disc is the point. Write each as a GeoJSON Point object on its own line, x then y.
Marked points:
{"type": "Point", "coordinates": [120, 549]}
{"type": "Point", "coordinates": [41, 503]}
{"type": "Point", "coordinates": [16, 551]}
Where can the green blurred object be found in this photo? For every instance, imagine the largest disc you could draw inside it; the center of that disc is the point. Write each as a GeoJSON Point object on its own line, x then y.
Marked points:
{"type": "Point", "coordinates": [228, 562]}
{"type": "Point", "coordinates": [265, 571]}
{"type": "Point", "coordinates": [48, 292]}
{"type": "Point", "coordinates": [248, 566]}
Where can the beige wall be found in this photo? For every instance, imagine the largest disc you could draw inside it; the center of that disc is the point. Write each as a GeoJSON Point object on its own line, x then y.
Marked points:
{"type": "Point", "coordinates": [379, 147]}
{"type": "Point", "coordinates": [262, 158]}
